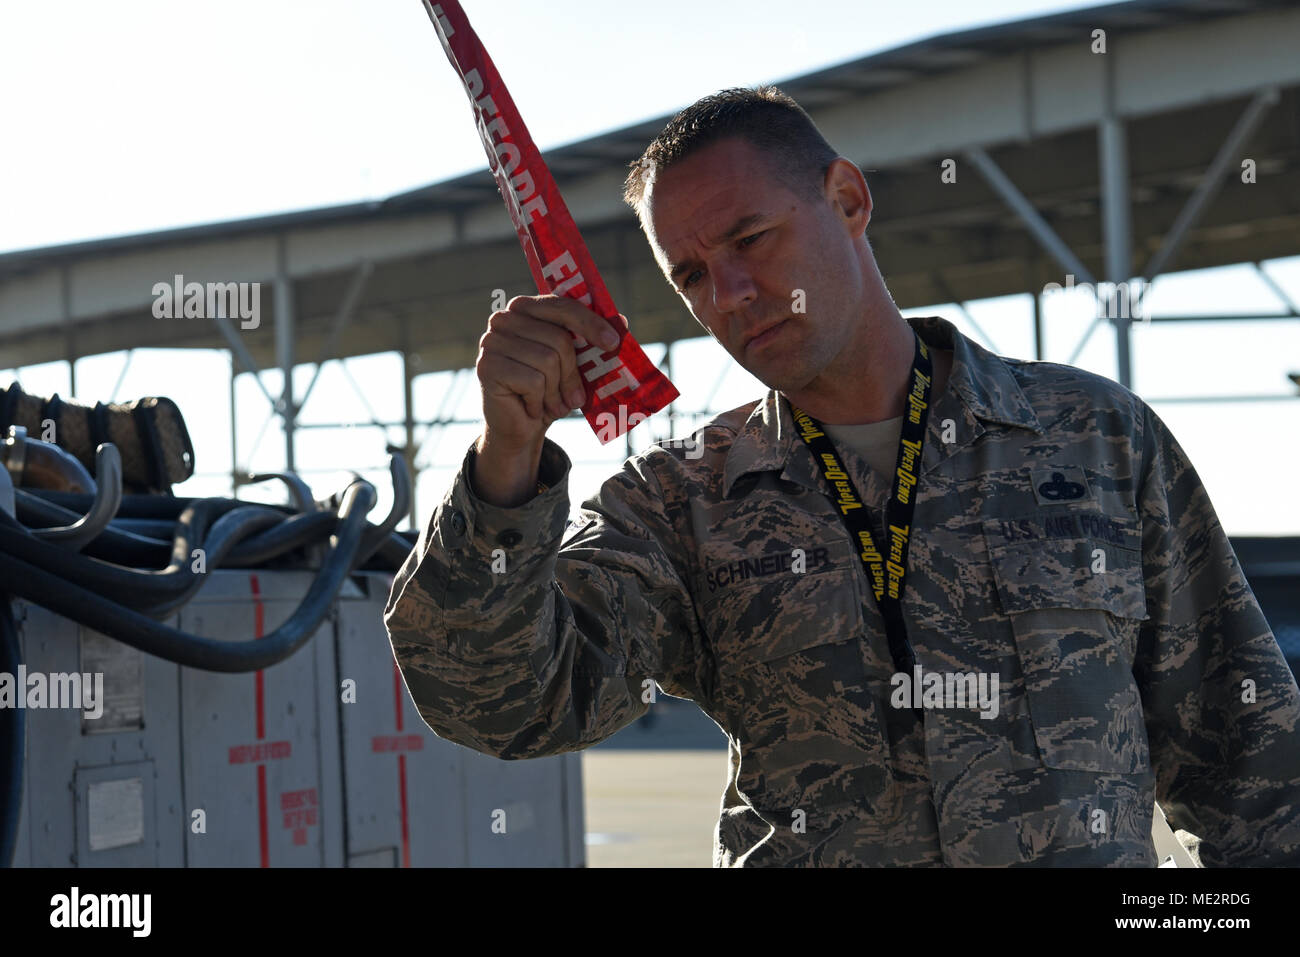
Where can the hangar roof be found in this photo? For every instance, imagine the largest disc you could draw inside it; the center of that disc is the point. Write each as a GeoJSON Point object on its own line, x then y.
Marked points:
{"type": "Point", "coordinates": [1027, 94]}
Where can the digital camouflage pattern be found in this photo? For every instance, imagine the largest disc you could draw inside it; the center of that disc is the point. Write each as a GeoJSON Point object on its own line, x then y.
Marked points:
{"type": "Point", "coordinates": [1061, 541]}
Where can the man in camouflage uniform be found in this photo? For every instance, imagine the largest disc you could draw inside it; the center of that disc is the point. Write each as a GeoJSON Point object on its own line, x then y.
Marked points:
{"type": "Point", "coordinates": [1062, 548]}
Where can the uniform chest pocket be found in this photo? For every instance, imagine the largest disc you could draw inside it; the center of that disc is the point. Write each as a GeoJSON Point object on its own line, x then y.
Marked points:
{"type": "Point", "coordinates": [792, 672]}
{"type": "Point", "coordinates": [1072, 589]}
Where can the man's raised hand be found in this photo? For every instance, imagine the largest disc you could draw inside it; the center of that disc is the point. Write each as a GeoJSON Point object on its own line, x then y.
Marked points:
{"type": "Point", "coordinates": [528, 373]}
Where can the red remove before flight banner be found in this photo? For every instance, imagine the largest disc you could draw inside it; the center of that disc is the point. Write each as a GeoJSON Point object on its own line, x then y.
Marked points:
{"type": "Point", "coordinates": [624, 387]}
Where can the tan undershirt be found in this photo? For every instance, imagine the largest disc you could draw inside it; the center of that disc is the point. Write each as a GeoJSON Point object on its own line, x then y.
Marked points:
{"type": "Point", "coordinates": [877, 442]}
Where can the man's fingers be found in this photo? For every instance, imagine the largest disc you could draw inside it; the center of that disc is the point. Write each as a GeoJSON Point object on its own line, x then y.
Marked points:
{"type": "Point", "coordinates": [554, 337]}
{"type": "Point", "coordinates": [538, 356]}
{"type": "Point", "coordinates": [538, 333]}
{"type": "Point", "coordinates": [504, 375]}
{"type": "Point", "coordinates": [570, 314]}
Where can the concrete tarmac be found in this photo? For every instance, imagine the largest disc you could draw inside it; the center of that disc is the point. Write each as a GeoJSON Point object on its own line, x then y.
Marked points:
{"type": "Point", "coordinates": [653, 791]}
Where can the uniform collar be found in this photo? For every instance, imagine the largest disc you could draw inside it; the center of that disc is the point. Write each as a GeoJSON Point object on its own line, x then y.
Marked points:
{"type": "Point", "coordinates": [981, 380]}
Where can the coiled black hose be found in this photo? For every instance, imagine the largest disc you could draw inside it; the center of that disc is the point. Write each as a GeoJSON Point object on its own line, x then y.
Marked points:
{"type": "Point", "coordinates": [154, 592]}
{"type": "Point", "coordinates": [122, 546]}
{"type": "Point", "coordinates": [143, 522]}
{"type": "Point", "coordinates": [112, 544]}
{"type": "Point", "coordinates": [133, 506]}
{"type": "Point", "coordinates": [66, 598]}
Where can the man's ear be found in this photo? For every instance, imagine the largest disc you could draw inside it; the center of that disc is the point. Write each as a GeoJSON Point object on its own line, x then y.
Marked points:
{"type": "Point", "coordinates": [847, 190]}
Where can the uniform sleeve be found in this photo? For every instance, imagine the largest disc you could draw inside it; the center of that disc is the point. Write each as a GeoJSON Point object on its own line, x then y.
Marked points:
{"type": "Point", "coordinates": [1222, 707]}
{"type": "Point", "coordinates": [518, 645]}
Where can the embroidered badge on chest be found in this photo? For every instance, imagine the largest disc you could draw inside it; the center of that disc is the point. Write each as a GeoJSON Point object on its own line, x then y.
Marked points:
{"type": "Point", "coordinates": [1066, 483]}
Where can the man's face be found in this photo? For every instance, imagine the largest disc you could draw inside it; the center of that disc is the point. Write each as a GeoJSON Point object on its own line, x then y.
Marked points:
{"type": "Point", "coordinates": [775, 276]}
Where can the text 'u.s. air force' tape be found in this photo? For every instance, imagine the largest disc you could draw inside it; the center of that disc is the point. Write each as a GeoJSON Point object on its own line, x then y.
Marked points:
{"type": "Point", "coordinates": [621, 383]}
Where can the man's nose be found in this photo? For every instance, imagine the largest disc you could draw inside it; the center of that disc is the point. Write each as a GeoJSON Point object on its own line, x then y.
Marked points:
{"type": "Point", "coordinates": [733, 286]}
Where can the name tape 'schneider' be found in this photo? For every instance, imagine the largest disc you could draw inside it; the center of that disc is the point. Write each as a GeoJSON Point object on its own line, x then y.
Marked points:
{"type": "Point", "coordinates": [623, 387]}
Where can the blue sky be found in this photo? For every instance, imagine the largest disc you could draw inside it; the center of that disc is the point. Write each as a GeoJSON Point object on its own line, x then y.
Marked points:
{"type": "Point", "coordinates": [144, 115]}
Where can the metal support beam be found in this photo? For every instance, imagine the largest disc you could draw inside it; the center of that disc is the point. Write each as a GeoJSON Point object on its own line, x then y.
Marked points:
{"type": "Point", "coordinates": [1036, 295]}
{"type": "Point", "coordinates": [1117, 235]}
{"type": "Point", "coordinates": [69, 351]}
{"type": "Point", "coordinates": [356, 286]}
{"type": "Point", "coordinates": [1038, 325]}
{"type": "Point", "coordinates": [126, 364]}
{"type": "Point", "coordinates": [1087, 334]}
{"type": "Point", "coordinates": [360, 393]}
{"type": "Point", "coordinates": [257, 442]}
{"type": "Point", "coordinates": [238, 349]}
{"type": "Point", "coordinates": [284, 343]}
{"type": "Point", "coordinates": [234, 433]}
{"type": "Point", "coordinates": [1211, 182]}
{"type": "Point", "coordinates": [450, 399]}
{"type": "Point", "coordinates": [408, 408]}
{"type": "Point", "coordinates": [1023, 208]}
{"type": "Point", "coordinates": [946, 291]}
{"type": "Point", "coordinates": [1290, 316]}
{"type": "Point", "coordinates": [1289, 397]}
{"type": "Point", "coordinates": [382, 426]}
{"type": "Point", "coordinates": [1277, 290]}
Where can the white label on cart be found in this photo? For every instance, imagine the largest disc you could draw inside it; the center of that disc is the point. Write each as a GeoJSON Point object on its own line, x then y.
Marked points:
{"type": "Point", "coordinates": [116, 813]}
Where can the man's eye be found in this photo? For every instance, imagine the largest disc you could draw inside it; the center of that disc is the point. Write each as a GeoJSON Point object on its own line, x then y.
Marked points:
{"type": "Point", "coordinates": [752, 238]}
{"type": "Point", "coordinates": [690, 280]}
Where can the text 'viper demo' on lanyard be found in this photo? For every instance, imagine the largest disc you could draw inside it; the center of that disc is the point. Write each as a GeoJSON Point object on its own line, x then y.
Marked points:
{"type": "Point", "coordinates": [886, 574]}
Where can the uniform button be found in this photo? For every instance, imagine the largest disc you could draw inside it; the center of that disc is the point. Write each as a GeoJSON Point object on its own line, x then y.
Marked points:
{"type": "Point", "coordinates": [457, 522]}
{"type": "Point", "coordinates": [510, 538]}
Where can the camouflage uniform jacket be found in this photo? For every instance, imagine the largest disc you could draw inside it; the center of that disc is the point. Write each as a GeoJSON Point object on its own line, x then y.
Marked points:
{"type": "Point", "coordinates": [1061, 542]}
